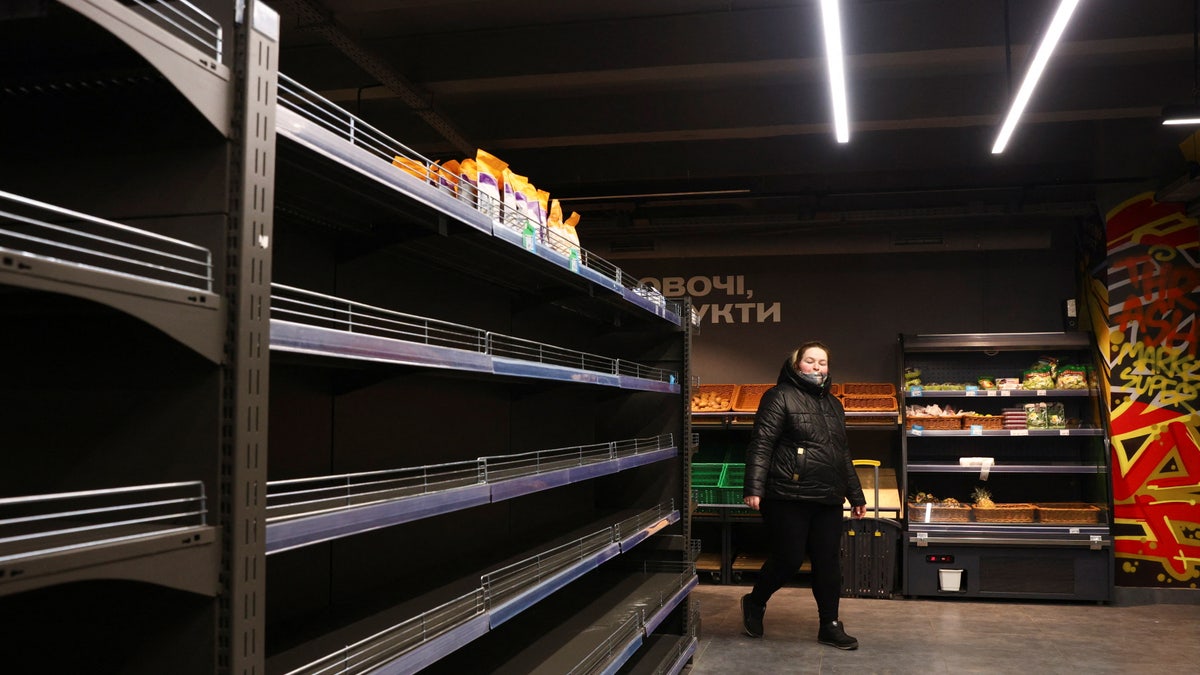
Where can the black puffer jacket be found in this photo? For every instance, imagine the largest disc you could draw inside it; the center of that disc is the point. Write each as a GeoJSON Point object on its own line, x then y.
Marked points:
{"type": "Point", "coordinates": [798, 450]}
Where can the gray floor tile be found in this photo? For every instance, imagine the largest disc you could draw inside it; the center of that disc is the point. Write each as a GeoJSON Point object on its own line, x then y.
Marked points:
{"type": "Point", "coordinates": [936, 636]}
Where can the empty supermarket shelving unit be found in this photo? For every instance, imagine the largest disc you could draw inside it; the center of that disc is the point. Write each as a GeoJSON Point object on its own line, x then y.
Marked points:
{"type": "Point", "coordinates": [277, 406]}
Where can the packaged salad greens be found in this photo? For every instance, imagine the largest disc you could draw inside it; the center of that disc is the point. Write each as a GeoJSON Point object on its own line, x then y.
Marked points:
{"type": "Point", "coordinates": [1071, 377]}
{"type": "Point", "coordinates": [1036, 416]}
{"type": "Point", "coordinates": [1038, 377]}
{"type": "Point", "coordinates": [1056, 416]}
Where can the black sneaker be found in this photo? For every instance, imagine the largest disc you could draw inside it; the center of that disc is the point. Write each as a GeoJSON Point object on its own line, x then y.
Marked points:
{"type": "Point", "coordinates": [752, 616]}
{"type": "Point", "coordinates": [834, 634]}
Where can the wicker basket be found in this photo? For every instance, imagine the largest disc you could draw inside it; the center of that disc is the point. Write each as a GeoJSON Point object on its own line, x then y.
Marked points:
{"type": "Point", "coordinates": [1005, 513]}
{"type": "Point", "coordinates": [869, 403]}
{"type": "Point", "coordinates": [748, 395]}
{"type": "Point", "coordinates": [868, 389]}
{"type": "Point", "coordinates": [1067, 512]}
{"type": "Point", "coordinates": [835, 389]}
{"type": "Point", "coordinates": [713, 393]}
{"type": "Point", "coordinates": [985, 421]}
{"type": "Point", "coordinates": [933, 422]}
{"type": "Point", "coordinates": [938, 513]}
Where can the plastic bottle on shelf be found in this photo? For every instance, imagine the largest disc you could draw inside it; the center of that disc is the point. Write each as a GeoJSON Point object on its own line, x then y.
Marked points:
{"type": "Point", "coordinates": [527, 237]}
{"type": "Point", "coordinates": [573, 260]}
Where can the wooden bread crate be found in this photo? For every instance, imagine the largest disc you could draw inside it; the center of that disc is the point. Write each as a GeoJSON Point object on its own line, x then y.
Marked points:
{"type": "Point", "coordinates": [748, 395]}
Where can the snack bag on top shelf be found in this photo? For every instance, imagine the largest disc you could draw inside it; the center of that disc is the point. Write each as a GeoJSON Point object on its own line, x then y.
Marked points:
{"type": "Point", "coordinates": [468, 181]}
{"type": "Point", "coordinates": [527, 202]}
{"type": "Point", "coordinates": [412, 167]}
{"type": "Point", "coordinates": [511, 195]}
{"type": "Point", "coordinates": [556, 231]}
{"type": "Point", "coordinates": [569, 228]}
{"type": "Point", "coordinates": [543, 206]}
{"type": "Point", "coordinates": [491, 175]}
{"type": "Point", "coordinates": [448, 176]}
{"type": "Point", "coordinates": [527, 205]}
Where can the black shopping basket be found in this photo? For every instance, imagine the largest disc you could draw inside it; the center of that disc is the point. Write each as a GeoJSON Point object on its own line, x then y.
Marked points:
{"type": "Point", "coordinates": [870, 549]}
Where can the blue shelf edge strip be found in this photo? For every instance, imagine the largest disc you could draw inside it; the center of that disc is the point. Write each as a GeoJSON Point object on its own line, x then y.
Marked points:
{"type": "Point", "coordinates": [506, 610]}
{"type": "Point", "coordinates": [627, 651]}
{"type": "Point", "coordinates": [443, 645]}
{"type": "Point", "coordinates": [305, 530]}
{"type": "Point", "coordinates": [655, 619]}
{"type": "Point", "coordinates": [458, 636]}
{"type": "Point", "coordinates": [688, 652]}
{"type": "Point", "coordinates": [287, 336]}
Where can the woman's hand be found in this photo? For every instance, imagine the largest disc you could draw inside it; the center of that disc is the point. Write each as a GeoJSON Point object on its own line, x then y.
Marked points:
{"type": "Point", "coordinates": [858, 512]}
{"type": "Point", "coordinates": [752, 502]}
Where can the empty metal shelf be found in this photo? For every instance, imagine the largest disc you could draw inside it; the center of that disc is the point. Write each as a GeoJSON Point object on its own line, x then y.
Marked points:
{"type": "Point", "coordinates": [164, 281]}
{"type": "Point", "coordinates": [153, 533]}
{"type": "Point", "coordinates": [306, 322]}
{"type": "Point", "coordinates": [306, 511]}
{"type": "Point", "coordinates": [504, 593]}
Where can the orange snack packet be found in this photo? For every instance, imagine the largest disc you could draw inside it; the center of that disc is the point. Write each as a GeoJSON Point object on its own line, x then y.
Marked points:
{"type": "Point", "coordinates": [412, 167]}
{"type": "Point", "coordinates": [448, 176]}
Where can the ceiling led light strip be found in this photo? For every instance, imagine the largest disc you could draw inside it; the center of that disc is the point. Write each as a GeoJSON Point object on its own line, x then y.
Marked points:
{"type": "Point", "coordinates": [1045, 49]}
{"type": "Point", "coordinates": [832, 22]}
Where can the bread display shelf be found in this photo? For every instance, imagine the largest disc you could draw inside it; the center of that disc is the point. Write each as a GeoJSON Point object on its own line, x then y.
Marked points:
{"type": "Point", "coordinates": [868, 389]}
{"type": "Point", "coordinates": [748, 397]}
{"type": "Point", "coordinates": [713, 397]}
{"type": "Point", "coordinates": [869, 403]}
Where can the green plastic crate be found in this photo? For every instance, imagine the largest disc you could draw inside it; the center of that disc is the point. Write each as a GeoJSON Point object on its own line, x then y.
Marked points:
{"type": "Point", "coordinates": [705, 474]}
{"type": "Point", "coordinates": [733, 476]}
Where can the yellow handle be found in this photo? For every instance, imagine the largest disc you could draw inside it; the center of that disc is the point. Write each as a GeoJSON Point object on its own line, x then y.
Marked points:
{"type": "Point", "coordinates": [867, 462]}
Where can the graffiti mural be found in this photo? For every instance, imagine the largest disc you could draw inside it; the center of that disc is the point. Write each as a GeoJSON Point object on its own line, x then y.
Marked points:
{"type": "Point", "coordinates": [1145, 319]}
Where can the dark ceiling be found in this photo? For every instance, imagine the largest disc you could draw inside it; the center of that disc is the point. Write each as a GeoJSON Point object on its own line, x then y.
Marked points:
{"type": "Point", "coordinates": [619, 105]}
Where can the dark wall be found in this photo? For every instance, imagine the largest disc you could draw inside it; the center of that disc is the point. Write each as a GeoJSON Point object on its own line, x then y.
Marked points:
{"type": "Point", "coordinates": [859, 303]}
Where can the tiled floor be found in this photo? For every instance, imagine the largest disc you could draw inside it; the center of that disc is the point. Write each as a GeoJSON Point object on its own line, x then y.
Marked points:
{"type": "Point", "coordinates": [949, 636]}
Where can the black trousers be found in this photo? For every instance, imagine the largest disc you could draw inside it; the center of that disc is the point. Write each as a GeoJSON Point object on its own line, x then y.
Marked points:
{"type": "Point", "coordinates": [795, 529]}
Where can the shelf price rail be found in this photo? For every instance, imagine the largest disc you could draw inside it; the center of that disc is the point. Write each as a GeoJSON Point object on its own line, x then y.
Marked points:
{"type": "Point", "coordinates": [57, 235]}
{"type": "Point", "coordinates": [73, 532]}
{"type": "Point", "coordinates": [322, 126]}
{"type": "Point", "coordinates": [306, 511]}
{"type": "Point", "coordinates": [187, 23]}
{"type": "Point", "coordinates": [164, 281]}
{"type": "Point", "coordinates": [502, 594]}
{"type": "Point", "coordinates": [314, 323]}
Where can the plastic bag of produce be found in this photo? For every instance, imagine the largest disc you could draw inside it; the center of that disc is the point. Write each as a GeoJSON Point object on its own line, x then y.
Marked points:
{"type": "Point", "coordinates": [1036, 416]}
{"type": "Point", "coordinates": [1056, 416]}
{"type": "Point", "coordinates": [1071, 377]}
